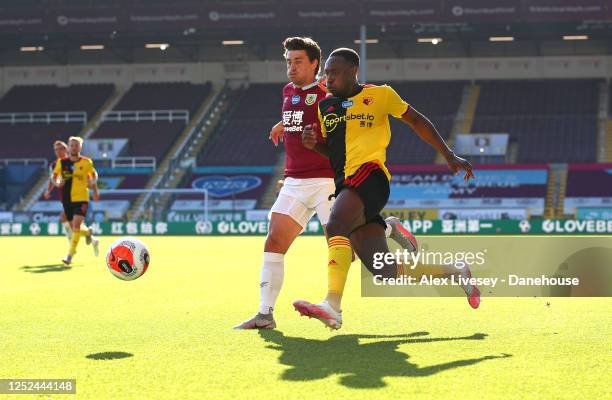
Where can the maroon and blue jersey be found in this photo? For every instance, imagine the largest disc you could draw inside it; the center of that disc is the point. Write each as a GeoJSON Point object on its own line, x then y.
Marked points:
{"type": "Point", "coordinates": [300, 109]}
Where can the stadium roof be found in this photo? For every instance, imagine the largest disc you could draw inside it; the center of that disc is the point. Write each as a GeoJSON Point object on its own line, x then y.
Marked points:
{"type": "Point", "coordinates": [193, 31]}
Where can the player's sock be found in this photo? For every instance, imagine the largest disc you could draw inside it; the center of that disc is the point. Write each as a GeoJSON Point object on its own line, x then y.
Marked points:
{"type": "Point", "coordinates": [272, 275]}
{"type": "Point", "coordinates": [465, 273]}
{"type": "Point", "coordinates": [339, 258]}
{"type": "Point", "coordinates": [85, 230]}
{"type": "Point", "coordinates": [76, 235]}
{"type": "Point", "coordinates": [388, 230]}
{"type": "Point", "coordinates": [401, 270]}
{"type": "Point", "coordinates": [67, 230]}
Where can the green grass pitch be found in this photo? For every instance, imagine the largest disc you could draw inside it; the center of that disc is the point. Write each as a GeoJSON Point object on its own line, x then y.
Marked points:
{"type": "Point", "coordinates": [168, 334]}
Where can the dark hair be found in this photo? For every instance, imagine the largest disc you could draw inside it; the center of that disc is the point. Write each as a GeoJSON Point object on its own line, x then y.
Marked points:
{"type": "Point", "coordinates": [349, 55]}
{"type": "Point", "coordinates": [313, 51]}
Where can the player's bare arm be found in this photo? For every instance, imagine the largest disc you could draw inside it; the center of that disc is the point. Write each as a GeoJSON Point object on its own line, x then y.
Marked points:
{"type": "Point", "coordinates": [50, 186]}
{"type": "Point", "coordinates": [423, 127]}
{"type": "Point", "coordinates": [93, 179]}
{"type": "Point", "coordinates": [276, 133]}
{"type": "Point", "coordinates": [309, 140]}
{"type": "Point", "coordinates": [96, 193]}
{"type": "Point", "coordinates": [93, 184]}
{"type": "Point", "coordinates": [94, 187]}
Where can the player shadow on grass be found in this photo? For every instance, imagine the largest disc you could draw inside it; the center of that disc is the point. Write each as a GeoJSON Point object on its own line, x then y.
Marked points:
{"type": "Point", "coordinates": [359, 365]}
{"type": "Point", "coordinates": [41, 269]}
{"type": "Point", "coordinates": [109, 355]}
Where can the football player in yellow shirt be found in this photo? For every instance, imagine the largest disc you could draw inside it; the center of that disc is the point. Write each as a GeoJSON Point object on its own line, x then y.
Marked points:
{"type": "Point", "coordinates": [61, 151]}
{"type": "Point", "coordinates": [355, 123]}
{"type": "Point", "coordinates": [77, 174]}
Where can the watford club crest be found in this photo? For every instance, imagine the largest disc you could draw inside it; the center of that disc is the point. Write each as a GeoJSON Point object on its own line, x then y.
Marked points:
{"type": "Point", "coordinates": [368, 100]}
{"type": "Point", "coordinates": [310, 99]}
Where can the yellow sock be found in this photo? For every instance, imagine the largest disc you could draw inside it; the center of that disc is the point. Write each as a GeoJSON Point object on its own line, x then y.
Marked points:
{"type": "Point", "coordinates": [76, 235]}
{"type": "Point", "coordinates": [401, 270]}
{"type": "Point", "coordinates": [340, 258]}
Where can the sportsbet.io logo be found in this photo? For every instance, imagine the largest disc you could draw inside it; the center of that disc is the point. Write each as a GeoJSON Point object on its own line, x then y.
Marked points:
{"type": "Point", "coordinates": [332, 120]}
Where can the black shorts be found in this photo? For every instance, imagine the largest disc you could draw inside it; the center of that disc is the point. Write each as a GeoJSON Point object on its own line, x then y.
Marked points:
{"type": "Point", "coordinates": [75, 208]}
{"type": "Point", "coordinates": [372, 185]}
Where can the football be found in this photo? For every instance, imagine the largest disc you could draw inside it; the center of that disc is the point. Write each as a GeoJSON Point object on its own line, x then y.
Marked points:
{"type": "Point", "coordinates": [127, 258]}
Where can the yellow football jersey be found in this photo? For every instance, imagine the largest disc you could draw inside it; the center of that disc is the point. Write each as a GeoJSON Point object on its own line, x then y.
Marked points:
{"type": "Point", "coordinates": [75, 174]}
{"type": "Point", "coordinates": [357, 129]}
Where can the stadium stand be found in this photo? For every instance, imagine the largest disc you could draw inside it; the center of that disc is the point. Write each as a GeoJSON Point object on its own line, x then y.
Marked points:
{"type": "Point", "coordinates": [439, 101]}
{"type": "Point", "coordinates": [589, 191]}
{"type": "Point", "coordinates": [153, 138]}
{"type": "Point", "coordinates": [51, 98]}
{"type": "Point", "coordinates": [3, 187]}
{"type": "Point", "coordinates": [552, 120]}
{"type": "Point", "coordinates": [15, 179]}
{"type": "Point", "coordinates": [46, 99]}
{"type": "Point", "coordinates": [610, 102]}
{"type": "Point", "coordinates": [164, 96]}
{"type": "Point", "coordinates": [258, 108]}
{"type": "Point", "coordinates": [536, 114]}
{"type": "Point", "coordinates": [34, 140]}
{"type": "Point", "coordinates": [145, 138]}
{"type": "Point", "coordinates": [242, 137]}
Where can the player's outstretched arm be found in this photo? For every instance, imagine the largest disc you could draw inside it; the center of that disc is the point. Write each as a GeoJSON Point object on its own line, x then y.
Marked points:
{"type": "Point", "coordinates": [309, 140]}
{"type": "Point", "coordinates": [429, 134]}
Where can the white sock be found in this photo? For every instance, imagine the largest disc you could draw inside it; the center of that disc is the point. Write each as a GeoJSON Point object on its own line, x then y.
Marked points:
{"type": "Point", "coordinates": [272, 274]}
{"type": "Point", "coordinates": [67, 230]}
{"type": "Point", "coordinates": [465, 273]}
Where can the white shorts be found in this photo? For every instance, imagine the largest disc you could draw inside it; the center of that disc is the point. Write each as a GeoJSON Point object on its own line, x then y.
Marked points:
{"type": "Point", "coordinates": [302, 198]}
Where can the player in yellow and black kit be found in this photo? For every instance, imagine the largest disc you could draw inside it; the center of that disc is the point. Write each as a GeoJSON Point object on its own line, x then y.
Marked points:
{"type": "Point", "coordinates": [61, 151]}
{"type": "Point", "coordinates": [76, 174]}
{"type": "Point", "coordinates": [354, 121]}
